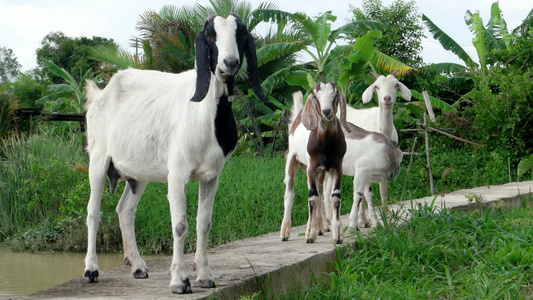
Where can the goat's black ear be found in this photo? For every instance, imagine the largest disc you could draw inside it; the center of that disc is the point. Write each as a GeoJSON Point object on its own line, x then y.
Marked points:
{"type": "Point", "coordinates": [203, 73]}
{"type": "Point", "coordinates": [253, 72]}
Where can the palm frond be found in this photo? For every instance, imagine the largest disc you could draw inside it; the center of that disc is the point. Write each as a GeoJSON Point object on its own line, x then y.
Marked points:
{"type": "Point", "coordinates": [120, 58]}
{"type": "Point", "coordinates": [274, 51]}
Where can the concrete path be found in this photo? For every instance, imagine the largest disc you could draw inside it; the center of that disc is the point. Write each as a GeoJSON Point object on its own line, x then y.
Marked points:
{"type": "Point", "coordinates": [241, 267]}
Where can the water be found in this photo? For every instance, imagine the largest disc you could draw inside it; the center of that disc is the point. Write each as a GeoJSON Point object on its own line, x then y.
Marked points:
{"type": "Point", "coordinates": [25, 273]}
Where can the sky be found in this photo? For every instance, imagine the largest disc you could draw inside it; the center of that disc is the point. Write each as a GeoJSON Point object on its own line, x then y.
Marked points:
{"type": "Point", "coordinates": [24, 23]}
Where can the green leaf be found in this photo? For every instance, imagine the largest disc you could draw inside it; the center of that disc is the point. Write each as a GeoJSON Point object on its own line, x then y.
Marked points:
{"type": "Point", "coordinates": [447, 42]}
{"type": "Point", "coordinates": [480, 40]}
{"type": "Point", "coordinates": [525, 165]}
{"type": "Point", "coordinates": [279, 77]}
{"type": "Point", "coordinates": [298, 78]}
{"type": "Point", "coordinates": [446, 68]}
{"type": "Point", "coordinates": [435, 102]}
{"type": "Point", "coordinates": [389, 65]}
{"type": "Point", "coordinates": [274, 51]}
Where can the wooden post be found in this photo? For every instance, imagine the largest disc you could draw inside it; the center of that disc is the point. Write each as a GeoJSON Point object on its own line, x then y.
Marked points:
{"type": "Point", "coordinates": [429, 110]}
{"type": "Point", "coordinates": [426, 134]}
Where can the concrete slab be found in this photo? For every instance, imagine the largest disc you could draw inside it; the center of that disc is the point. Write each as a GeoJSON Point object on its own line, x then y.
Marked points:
{"type": "Point", "coordinates": [246, 266]}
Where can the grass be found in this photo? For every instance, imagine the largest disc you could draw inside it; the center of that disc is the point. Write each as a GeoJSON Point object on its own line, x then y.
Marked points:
{"type": "Point", "coordinates": [43, 198]}
{"type": "Point", "coordinates": [438, 255]}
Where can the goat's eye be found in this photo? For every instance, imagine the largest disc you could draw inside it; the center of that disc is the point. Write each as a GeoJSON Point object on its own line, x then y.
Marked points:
{"type": "Point", "coordinates": [208, 38]}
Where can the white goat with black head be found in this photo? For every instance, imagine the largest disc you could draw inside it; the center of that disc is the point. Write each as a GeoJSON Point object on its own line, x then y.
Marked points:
{"type": "Point", "coordinates": [378, 119]}
{"type": "Point", "coordinates": [153, 126]}
{"type": "Point", "coordinates": [316, 140]}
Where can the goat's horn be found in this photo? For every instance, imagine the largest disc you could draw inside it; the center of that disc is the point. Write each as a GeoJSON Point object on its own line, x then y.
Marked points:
{"type": "Point", "coordinates": [394, 73]}
{"type": "Point", "coordinates": [376, 75]}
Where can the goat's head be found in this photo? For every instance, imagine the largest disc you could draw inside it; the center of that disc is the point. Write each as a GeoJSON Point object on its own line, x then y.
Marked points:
{"type": "Point", "coordinates": [386, 87]}
{"type": "Point", "coordinates": [220, 48]}
{"type": "Point", "coordinates": [322, 105]}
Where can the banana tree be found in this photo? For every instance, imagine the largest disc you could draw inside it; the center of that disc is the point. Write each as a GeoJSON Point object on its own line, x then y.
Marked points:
{"type": "Point", "coordinates": [66, 97]}
{"type": "Point", "coordinates": [486, 38]}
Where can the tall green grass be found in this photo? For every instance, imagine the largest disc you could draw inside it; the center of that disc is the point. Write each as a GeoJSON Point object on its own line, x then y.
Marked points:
{"type": "Point", "coordinates": [438, 255]}
{"type": "Point", "coordinates": [34, 173]}
{"type": "Point", "coordinates": [43, 199]}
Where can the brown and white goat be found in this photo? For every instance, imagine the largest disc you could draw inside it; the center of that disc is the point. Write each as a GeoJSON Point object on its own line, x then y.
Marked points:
{"type": "Point", "coordinates": [317, 127]}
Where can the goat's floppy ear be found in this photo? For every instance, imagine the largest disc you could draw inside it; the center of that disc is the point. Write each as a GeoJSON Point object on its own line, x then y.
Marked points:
{"type": "Point", "coordinates": [253, 73]}
{"type": "Point", "coordinates": [367, 94]}
{"type": "Point", "coordinates": [341, 100]}
{"type": "Point", "coordinates": [309, 113]}
{"type": "Point", "coordinates": [203, 72]}
{"type": "Point", "coordinates": [406, 93]}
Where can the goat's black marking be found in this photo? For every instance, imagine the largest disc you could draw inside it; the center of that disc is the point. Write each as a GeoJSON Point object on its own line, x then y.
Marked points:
{"type": "Point", "coordinates": [91, 276]}
{"type": "Point", "coordinates": [225, 128]}
{"type": "Point", "coordinates": [181, 228]}
{"type": "Point", "coordinates": [133, 184]}
{"type": "Point", "coordinates": [312, 192]}
{"type": "Point", "coordinates": [336, 194]}
{"type": "Point", "coordinates": [113, 176]}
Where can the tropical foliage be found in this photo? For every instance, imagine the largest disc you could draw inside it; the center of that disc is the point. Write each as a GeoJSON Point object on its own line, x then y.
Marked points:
{"type": "Point", "coordinates": [68, 96]}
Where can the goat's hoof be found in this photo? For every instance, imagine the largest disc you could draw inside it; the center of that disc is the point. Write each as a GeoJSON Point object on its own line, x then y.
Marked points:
{"type": "Point", "coordinates": [364, 224]}
{"type": "Point", "coordinates": [309, 241]}
{"type": "Point", "coordinates": [140, 274]}
{"type": "Point", "coordinates": [284, 238]}
{"type": "Point", "coordinates": [182, 289]}
{"type": "Point", "coordinates": [339, 241]}
{"type": "Point", "coordinates": [91, 276]}
{"type": "Point", "coordinates": [352, 229]}
{"type": "Point", "coordinates": [320, 232]}
{"type": "Point", "coordinates": [206, 283]}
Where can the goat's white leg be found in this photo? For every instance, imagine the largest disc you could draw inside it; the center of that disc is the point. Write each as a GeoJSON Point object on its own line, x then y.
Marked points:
{"type": "Point", "coordinates": [326, 212]}
{"type": "Point", "coordinates": [371, 208]}
{"type": "Point", "coordinates": [358, 194]}
{"type": "Point", "coordinates": [177, 186]}
{"type": "Point", "coordinates": [126, 209]}
{"type": "Point", "coordinates": [363, 221]}
{"type": "Point", "coordinates": [336, 225]}
{"type": "Point", "coordinates": [383, 193]}
{"type": "Point", "coordinates": [291, 166]}
{"type": "Point", "coordinates": [320, 221]}
{"type": "Point", "coordinates": [313, 205]}
{"type": "Point", "coordinates": [206, 198]}
{"type": "Point", "coordinates": [97, 176]}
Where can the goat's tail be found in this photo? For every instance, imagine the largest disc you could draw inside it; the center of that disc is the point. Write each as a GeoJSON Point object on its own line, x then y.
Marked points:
{"type": "Point", "coordinates": [297, 106]}
{"type": "Point", "coordinates": [92, 91]}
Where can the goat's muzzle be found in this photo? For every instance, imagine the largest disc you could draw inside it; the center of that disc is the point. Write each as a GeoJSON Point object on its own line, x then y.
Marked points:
{"type": "Point", "coordinates": [328, 114]}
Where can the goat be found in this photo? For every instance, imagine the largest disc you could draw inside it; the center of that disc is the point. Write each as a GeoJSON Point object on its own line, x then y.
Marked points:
{"type": "Point", "coordinates": [317, 141]}
{"type": "Point", "coordinates": [153, 126]}
{"type": "Point", "coordinates": [370, 157]}
{"type": "Point", "coordinates": [378, 119]}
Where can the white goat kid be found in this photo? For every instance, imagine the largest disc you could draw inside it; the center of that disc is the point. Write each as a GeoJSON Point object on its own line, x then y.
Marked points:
{"type": "Point", "coordinates": [378, 119]}
{"type": "Point", "coordinates": [153, 126]}
{"type": "Point", "coordinates": [317, 141]}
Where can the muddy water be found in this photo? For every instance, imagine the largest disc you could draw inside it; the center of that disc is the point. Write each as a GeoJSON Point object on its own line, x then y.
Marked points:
{"type": "Point", "coordinates": [26, 273]}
